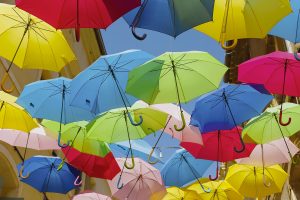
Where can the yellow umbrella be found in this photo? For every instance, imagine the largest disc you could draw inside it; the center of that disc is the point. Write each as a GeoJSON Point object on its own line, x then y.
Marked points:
{"type": "Point", "coordinates": [237, 19]}
{"type": "Point", "coordinates": [219, 190]}
{"type": "Point", "coordinates": [31, 43]}
{"type": "Point", "coordinates": [175, 193]}
{"type": "Point", "coordinates": [254, 182]}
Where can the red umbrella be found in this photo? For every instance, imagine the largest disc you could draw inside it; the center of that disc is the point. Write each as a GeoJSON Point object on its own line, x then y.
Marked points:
{"type": "Point", "coordinates": [218, 146]}
{"type": "Point", "coordinates": [94, 166]}
{"type": "Point", "coordinates": [77, 14]}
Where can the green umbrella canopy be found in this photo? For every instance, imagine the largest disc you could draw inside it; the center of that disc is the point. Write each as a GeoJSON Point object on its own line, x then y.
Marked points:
{"type": "Point", "coordinates": [77, 134]}
{"type": "Point", "coordinates": [266, 127]}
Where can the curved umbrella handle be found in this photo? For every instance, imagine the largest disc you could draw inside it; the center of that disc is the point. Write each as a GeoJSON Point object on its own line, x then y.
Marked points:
{"type": "Point", "coordinates": [231, 47]}
{"type": "Point", "coordinates": [3, 82]}
{"type": "Point", "coordinates": [118, 183]}
{"type": "Point", "coordinates": [76, 183]}
{"type": "Point", "coordinates": [265, 182]}
{"type": "Point", "coordinates": [243, 146]}
{"type": "Point", "coordinates": [136, 35]}
{"type": "Point", "coordinates": [21, 173]}
{"type": "Point", "coordinates": [208, 190]}
{"type": "Point", "coordinates": [296, 56]}
{"type": "Point", "coordinates": [149, 158]}
{"type": "Point", "coordinates": [59, 142]}
{"type": "Point", "coordinates": [133, 122]}
{"type": "Point", "coordinates": [183, 123]}
{"type": "Point", "coordinates": [281, 122]}
{"type": "Point", "coordinates": [216, 177]}
{"type": "Point", "coordinates": [60, 165]}
{"type": "Point", "coordinates": [132, 161]}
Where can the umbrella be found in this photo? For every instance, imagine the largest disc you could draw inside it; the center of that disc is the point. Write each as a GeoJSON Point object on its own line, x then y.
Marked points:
{"type": "Point", "coordinates": [266, 127]}
{"type": "Point", "coordinates": [101, 86]}
{"type": "Point", "coordinates": [220, 190]}
{"type": "Point", "coordinates": [288, 27]}
{"type": "Point", "coordinates": [170, 17]}
{"type": "Point", "coordinates": [31, 43]}
{"type": "Point", "coordinates": [50, 99]}
{"type": "Point", "coordinates": [182, 168]}
{"type": "Point", "coordinates": [235, 20]}
{"type": "Point", "coordinates": [175, 193]}
{"type": "Point", "coordinates": [270, 153]}
{"type": "Point", "coordinates": [138, 183]}
{"type": "Point", "coordinates": [109, 126]}
{"type": "Point", "coordinates": [225, 141]}
{"type": "Point", "coordinates": [64, 14]}
{"type": "Point", "coordinates": [175, 77]}
{"type": "Point", "coordinates": [90, 195]}
{"type": "Point", "coordinates": [44, 176]}
{"type": "Point", "coordinates": [254, 182]}
{"type": "Point", "coordinates": [229, 106]}
{"type": "Point", "coordinates": [278, 71]}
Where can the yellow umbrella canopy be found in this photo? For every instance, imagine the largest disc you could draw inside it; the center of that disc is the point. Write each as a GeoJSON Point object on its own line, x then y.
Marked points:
{"type": "Point", "coordinates": [31, 43]}
{"type": "Point", "coordinates": [175, 193]}
{"type": "Point", "coordinates": [254, 182]}
{"type": "Point", "coordinates": [237, 19]}
{"type": "Point", "coordinates": [219, 190]}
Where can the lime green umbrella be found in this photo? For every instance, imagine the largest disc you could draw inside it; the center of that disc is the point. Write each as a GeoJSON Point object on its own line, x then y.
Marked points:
{"type": "Point", "coordinates": [113, 126]}
{"type": "Point", "coordinates": [175, 78]}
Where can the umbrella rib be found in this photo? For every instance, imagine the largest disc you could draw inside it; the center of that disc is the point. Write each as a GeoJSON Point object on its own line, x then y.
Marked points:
{"type": "Point", "coordinates": [256, 19]}
{"type": "Point", "coordinates": [20, 16]}
{"type": "Point", "coordinates": [21, 22]}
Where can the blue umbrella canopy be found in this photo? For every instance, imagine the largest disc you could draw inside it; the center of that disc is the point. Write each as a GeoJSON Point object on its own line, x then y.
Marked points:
{"type": "Point", "coordinates": [182, 168]}
{"type": "Point", "coordinates": [101, 86]}
{"type": "Point", "coordinates": [42, 174]}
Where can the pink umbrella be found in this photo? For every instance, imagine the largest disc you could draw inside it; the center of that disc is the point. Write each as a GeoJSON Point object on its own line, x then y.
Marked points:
{"type": "Point", "coordinates": [138, 183]}
{"type": "Point", "coordinates": [90, 195]}
{"type": "Point", "coordinates": [278, 71]}
{"type": "Point", "coordinates": [271, 153]}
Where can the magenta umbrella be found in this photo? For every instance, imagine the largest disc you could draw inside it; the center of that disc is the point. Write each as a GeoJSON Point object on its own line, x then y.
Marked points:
{"type": "Point", "coordinates": [278, 71]}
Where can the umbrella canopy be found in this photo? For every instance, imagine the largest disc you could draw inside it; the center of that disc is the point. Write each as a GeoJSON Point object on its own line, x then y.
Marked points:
{"type": "Point", "coordinates": [175, 193]}
{"type": "Point", "coordinates": [101, 86]}
{"type": "Point", "coordinates": [170, 17]}
{"type": "Point", "coordinates": [237, 19]}
{"type": "Point", "coordinates": [182, 168]}
{"type": "Point", "coordinates": [220, 190]}
{"type": "Point", "coordinates": [78, 14]}
{"type": "Point", "coordinates": [138, 183]}
{"type": "Point", "coordinates": [42, 174]}
{"type": "Point", "coordinates": [89, 195]}
{"type": "Point", "coordinates": [254, 182]}
{"type": "Point", "coordinates": [270, 153]}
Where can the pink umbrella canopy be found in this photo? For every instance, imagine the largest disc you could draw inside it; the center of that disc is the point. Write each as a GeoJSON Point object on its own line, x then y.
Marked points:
{"type": "Point", "coordinates": [138, 183]}
{"type": "Point", "coordinates": [271, 153]}
{"type": "Point", "coordinates": [37, 139]}
{"type": "Point", "coordinates": [90, 195]}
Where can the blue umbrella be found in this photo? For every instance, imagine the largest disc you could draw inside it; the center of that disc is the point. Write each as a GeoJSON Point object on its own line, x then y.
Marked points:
{"type": "Point", "coordinates": [229, 106]}
{"type": "Point", "coordinates": [289, 27]}
{"type": "Point", "coordinates": [50, 99]}
{"type": "Point", "coordinates": [171, 17]}
{"type": "Point", "coordinates": [182, 168]}
{"type": "Point", "coordinates": [42, 174]}
{"type": "Point", "coordinates": [101, 87]}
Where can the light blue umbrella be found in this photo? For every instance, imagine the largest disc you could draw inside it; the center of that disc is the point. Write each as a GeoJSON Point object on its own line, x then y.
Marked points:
{"type": "Point", "coordinates": [101, 86]}
{"type": "Point", "coordinates": [182, 168]}
{"type": "Point", "coordinates": [50, 99]}
{"type": "Point", "coordinates": [42, 174]}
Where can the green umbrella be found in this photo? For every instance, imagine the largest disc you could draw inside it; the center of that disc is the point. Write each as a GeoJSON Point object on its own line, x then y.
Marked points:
{"type": "Point", "coordinates": [266, 127]}
{"type": "Point", "coordinates": [175, 78]}
{"type": "Point", "coordinates": [113, 126]}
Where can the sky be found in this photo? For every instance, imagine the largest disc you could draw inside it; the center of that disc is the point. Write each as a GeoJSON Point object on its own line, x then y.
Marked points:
{"type": "Point", "coordinates": [118, 37]}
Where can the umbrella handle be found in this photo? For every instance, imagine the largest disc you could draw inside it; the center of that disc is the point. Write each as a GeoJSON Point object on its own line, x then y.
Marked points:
{"type": "Point", "coordinates": [76, 183]}
{"type": "Point", "coordinates": [281, 122]}
{"type": "Point", "coordinates": [243, 146]}
{"type": "Point", "coordinates": [149, 158]}
{"type": "Point", "coordinates": [216, 177]}
{"type": "Point", "coordinates": [296, 53]}
{"type": "Point", "coordinates": [3, 82]}
{"type": "Point", "coordinates": [59, 142]}
{"type": "Point", "coordinates": [133, 122]}
{"type": "Point", "coordinates": [21, 173]}
{"type": "Point", "coordinates": [77, 33]}
{"type": "Point", "coordinates": [136, 35]}
{"type": "Point", "coordinates": [118, 183]}
{"type": "Point", "coordinates": [132, 161]}
{"type": "Point", "coordinates": [60, 165]}
{"type": "Point", "coordinates": [231, 47]}
{"type": "Point", "coordinates": [265, 182]}
{"type": "Point", "coordinates": [183, 123]}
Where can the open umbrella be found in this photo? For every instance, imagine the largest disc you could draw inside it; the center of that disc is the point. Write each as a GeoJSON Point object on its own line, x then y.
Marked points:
{"type": "Point", "coordinates": [229, 106]}
{"type": "Point", "coordinates": [237, 19]}
{"type": "Point", "coordinates": [30, 43]}
{"type": "Point", "coordinates": [254, 182]}
{"type": "Point", "coordinates": [175, 193]}
{"type": "Point", "coordinates": [44, 176]}
{"type": "Point", "coordinates": [64, 14]}
{"type": "Point", "coordinates": [138, 183]}
{"type": "Point", "coordinates": [50, 99]}
{"type": "Point", "coordinates": [90, 195]}
{"type": "Point", "coordinates": [278, 71]}
{"type": "Point", "coordinates": [170, 17]}
{"type": "Point", "coordinates": [175, 78]}
{"type": "Point", "coordinates": [225, 141]}
{"type": "Point", "coordinates": [101, 86]}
